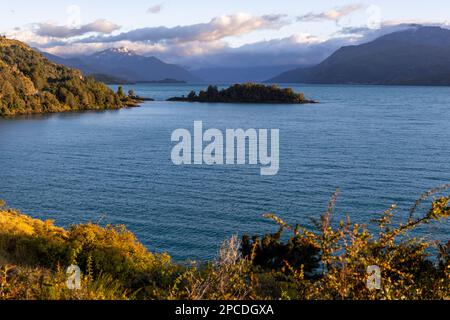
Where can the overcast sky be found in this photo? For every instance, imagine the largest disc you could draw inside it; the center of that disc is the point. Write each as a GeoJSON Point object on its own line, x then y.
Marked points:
{"type": "Point", "coordinates": [209, 33]}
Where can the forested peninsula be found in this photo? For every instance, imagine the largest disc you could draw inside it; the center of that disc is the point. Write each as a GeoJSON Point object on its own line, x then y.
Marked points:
{"type": "Point", "coordinates": [31, 84]}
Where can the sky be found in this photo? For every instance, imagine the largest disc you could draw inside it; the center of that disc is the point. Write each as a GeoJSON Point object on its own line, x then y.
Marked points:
{"type": "Point", "coordinates": [213, 33]}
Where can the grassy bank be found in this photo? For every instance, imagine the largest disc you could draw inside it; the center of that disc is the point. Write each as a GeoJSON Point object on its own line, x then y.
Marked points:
{"type": "Point", "coordinates": [328, 262]}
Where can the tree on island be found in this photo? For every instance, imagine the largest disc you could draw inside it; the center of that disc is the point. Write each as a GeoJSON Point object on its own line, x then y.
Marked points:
{"type": "Point", "coordinates": [192, 95]}
{"type": "Point", "coordinates": [120, 91]}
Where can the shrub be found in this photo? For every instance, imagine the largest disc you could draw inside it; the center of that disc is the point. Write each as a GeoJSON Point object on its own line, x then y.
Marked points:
{"type": "Point", "coordinates": [97, 250]}
{"type": "Point", "coordinates": [345, 252]}
{"type": "Point", "coordinates": [229, 277]}
{"type": "Point", "coordinates": [329, 262]}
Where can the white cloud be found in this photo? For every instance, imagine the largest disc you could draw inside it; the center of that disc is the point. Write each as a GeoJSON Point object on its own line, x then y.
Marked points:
{"type": "Point", "coordinates": [205, 44]}
{"type": "Point", "coordinates": [77, 49]}
{"type": "Point", "coordinates": [55, 31]}
{"type": "Point", "coordinates": [335, 14]}
{"type": "Point", "coordinates": [366, 34]}
{"type": "Point", "coordinates": [298, 49]}
{"type": "Point", "coordinates": [155, 9]}
{"type": "Point", "coordinates": [175, 44]}
{"type": "Point", "coordinates": [214, 30]}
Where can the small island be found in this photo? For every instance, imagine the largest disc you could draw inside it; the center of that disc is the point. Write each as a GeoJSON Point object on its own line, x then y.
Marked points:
{"type": "Point", "coordinates": [246, 93]}
{"type": "Point", "coordinates": [132, 99]}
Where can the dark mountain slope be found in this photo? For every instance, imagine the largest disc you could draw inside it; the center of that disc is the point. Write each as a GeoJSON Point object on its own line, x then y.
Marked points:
{"type": "Point", "coordinates": [417, 56]}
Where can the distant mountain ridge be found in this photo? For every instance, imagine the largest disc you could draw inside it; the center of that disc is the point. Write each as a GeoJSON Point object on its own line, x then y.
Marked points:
{"type": "Point", "coordinates": [416, 56]}
{"type": "Point", "coordinates": [124, 64]}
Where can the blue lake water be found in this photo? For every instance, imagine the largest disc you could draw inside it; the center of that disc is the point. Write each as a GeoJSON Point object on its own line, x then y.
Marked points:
{"type": "Point", "coordinates": [380, 145]}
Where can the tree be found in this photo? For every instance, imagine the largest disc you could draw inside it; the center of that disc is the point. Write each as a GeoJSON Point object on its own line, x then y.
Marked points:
{"type": "Point", "coordinates": [212, 92]}
{"type": "Point", "coordinates": [192, 95]}
{"type": "Point", "coordinates": [120, 92]}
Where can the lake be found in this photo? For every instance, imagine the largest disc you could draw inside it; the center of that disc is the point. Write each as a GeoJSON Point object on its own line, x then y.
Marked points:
{"type": "Point", "coordinates": [380, 145]}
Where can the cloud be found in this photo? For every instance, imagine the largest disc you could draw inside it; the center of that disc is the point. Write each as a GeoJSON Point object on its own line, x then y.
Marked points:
{"type": "Point", "coordinates": [366, 34]}
{"type": "Point", "coordinates": [79, 49]}
{"type": "Point", "coordinates": [335, 14]}
{"type": "Point", "coordinates": [204, 45]}
{"type": "Point", "coordinates": [155, 9]}
{"type": "Point", "coordinates": [51, 30]}
{"type": "Point", "coordinates": [299, 49]}
{"type": "Point", "coordinates": [214, 30]}
{"type": "Point", "coordinates": [173, 44]}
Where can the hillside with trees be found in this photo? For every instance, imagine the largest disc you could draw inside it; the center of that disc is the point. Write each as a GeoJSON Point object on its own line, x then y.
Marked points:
{"type": "Point", "coordinates": [29, 84]}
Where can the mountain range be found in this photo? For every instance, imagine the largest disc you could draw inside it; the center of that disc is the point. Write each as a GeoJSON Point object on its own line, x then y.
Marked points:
{"type": "Point", "coordinates": [120, 65]}
{"type": "Point", "coordinates": [123, 65]}
{"type": "Point", "coordinates": [416, 56]}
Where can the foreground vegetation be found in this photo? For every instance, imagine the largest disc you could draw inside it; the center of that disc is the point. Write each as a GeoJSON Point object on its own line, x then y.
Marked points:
{"type": "Point", "coordinates": [326, 263]}
{"type": "Point", "coordinates": [30, 84]}
{"type": "Point", "coordinates": [246, 93]}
